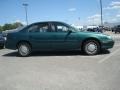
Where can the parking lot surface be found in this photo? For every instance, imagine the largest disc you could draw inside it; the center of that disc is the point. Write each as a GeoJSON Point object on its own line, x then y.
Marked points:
{"type": "Point", "coordinates": [70, 70]}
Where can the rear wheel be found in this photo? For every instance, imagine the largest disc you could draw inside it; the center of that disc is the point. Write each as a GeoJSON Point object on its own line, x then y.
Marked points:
{"type": "Point", "coordinates": [91, 47]}
{"type": "Point", "coordinates": [24, 49]}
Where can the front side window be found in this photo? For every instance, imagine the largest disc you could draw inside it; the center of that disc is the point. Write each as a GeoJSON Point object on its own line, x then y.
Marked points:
{"type": "Point", "coordinates": [43, 27]}
{"type": "Point", "coordinates": [62, 28]}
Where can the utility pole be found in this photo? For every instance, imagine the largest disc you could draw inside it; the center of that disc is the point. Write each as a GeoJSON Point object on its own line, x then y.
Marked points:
{"type": "Point", "coordinates": [101, 8]}
{"type": "Point", "coordinates": [78, 21]}
{"type": "Point", "coordinates": [25, 6]}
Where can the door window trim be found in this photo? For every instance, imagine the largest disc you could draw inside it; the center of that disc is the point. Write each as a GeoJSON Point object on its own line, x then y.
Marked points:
{"type": "Point", "coordinates": [38, 24]}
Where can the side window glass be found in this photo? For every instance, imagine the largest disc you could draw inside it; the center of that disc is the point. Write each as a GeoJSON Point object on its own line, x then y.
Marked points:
{"type": "Point", "coordinates": [62, 28]}
{"type": "Point", "coordinates": [39, 28]}
{"type": "Point", "coordinates": [43, 28]}
{"type": "Point", "coordinates": [33, 28]}
{"type": "Point", "coordinates": [53, 28]}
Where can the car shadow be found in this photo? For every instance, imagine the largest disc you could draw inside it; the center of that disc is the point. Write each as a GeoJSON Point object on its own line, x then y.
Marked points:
{"type": "Point", "coordinates": [1, 48]}
{"type": "Point", "coordinates": [54, 53]}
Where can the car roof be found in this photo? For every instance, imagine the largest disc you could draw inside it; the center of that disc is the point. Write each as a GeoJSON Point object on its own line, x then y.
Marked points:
{"type": "Point", "coordinates": [48, 22]}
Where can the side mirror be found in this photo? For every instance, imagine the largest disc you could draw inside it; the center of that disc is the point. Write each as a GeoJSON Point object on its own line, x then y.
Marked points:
{"type": "Point", "coordinates": [69, 32]}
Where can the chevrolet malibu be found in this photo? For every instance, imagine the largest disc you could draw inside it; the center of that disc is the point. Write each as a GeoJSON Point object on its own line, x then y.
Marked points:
{"type": "Point", "coordinates": [55, 35]}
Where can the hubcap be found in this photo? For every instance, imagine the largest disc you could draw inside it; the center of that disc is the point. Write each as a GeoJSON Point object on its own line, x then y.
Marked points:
{"type": "Point", "coordinates": [91, 48]}
{"type": "Point", "coordinates": [23, 50]}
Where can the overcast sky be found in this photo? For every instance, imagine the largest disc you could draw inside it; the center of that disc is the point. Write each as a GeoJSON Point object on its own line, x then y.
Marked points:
{"type": "Point", "coordinates": [70, 11]}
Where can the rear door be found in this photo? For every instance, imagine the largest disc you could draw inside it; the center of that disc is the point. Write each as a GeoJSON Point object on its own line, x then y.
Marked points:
{"type": "Point", "coordinates": [40, 36]}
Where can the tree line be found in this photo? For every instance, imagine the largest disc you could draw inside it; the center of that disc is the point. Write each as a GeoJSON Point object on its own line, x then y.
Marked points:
{"type": "Point", "coordinates": [9, 26]}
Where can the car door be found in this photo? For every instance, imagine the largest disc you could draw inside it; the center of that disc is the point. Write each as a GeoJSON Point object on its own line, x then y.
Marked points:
{"type": "Point", "coordinates": [39, 36]}
{"type": "Point", "coordinates": [63, 39]}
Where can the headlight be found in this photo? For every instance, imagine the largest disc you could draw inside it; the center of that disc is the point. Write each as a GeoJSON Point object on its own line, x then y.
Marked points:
{"type": "Point", "coordinates": [109, 37]}
{"type": "Point", "coordinates": [106, 37]}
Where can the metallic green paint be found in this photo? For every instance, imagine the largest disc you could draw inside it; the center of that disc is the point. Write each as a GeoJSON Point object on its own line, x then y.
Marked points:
{"type": "Point", "coordinates": [70, 40]}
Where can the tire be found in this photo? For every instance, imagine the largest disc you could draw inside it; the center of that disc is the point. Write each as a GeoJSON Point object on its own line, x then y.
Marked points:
{"type": "Point", "coordinates": [24, 49]}
{"type": "Point", "coordinates": [91, 47]}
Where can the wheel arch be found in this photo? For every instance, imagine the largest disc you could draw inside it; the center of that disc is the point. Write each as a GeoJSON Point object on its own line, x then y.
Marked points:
{"type": "Point", "coordinates": [23, 41]}
{"type": "Point", "coordinates": [91, 38]}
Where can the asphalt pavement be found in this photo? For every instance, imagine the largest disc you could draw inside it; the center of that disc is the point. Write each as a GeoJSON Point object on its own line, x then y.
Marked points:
{"type": "Point", "coordinates": [60, 70]}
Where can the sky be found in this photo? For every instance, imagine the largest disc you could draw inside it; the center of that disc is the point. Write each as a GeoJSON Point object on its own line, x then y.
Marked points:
{"type": "Point", "coordinates": [82, 12]}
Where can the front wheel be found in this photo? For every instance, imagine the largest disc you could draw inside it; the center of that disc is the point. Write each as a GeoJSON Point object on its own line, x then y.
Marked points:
{"type": "Point", "coordinates": [24, 49]}
{"type": "Point", "coordinates": [91, 47]}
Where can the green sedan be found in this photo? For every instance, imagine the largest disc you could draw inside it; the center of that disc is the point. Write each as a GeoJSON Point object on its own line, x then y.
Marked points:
{"type": "Point", "coordinates": [54, 35]}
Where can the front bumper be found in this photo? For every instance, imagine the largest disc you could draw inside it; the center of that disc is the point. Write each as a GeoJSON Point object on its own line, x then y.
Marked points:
{"type": "Point", "coordinates": [107, 44]}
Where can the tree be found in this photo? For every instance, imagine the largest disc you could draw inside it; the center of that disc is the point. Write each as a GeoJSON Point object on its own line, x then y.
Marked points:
{"type": "Point", "coordinates": [17, 24]}
{"type": "Point", "coordinates": [7, 27]}
{"type": "Point", "coordinates": [11, 26]}
{"type": "Point", "coordinates": [1, 28]}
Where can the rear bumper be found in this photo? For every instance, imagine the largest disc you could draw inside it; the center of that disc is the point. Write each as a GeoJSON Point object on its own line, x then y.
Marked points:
{"type": "Point", "coordinates": [107, 44]}
{"type": "Point", "coordinates": [10, 45]}
{"type": "Point", "coordinates": [2, 43]}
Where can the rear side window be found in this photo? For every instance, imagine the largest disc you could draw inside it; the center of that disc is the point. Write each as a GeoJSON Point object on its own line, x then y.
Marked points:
{"type": "Point", "coordinates": [42, 27]}
{"type": "Point", "coordinates": [33, 28]}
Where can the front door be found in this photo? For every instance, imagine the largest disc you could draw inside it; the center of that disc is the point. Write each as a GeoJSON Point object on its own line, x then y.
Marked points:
{"type": "Point", "coordinates": [63, 38]}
